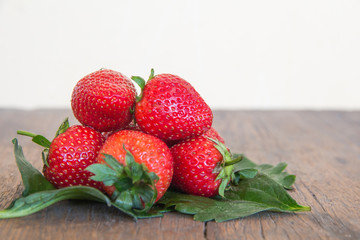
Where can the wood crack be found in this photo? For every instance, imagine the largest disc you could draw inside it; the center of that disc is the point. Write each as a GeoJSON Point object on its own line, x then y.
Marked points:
{"type": "Point", "coordinates": [315, 197]}
{"type": "Point", "coordinates": [205, 230]}
{"type": "Point", "coordinates": [261, 229]}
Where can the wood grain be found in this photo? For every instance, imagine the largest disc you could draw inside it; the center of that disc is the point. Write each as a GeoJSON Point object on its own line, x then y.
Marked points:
{"type": "Point", "coordinates": [321, 148]}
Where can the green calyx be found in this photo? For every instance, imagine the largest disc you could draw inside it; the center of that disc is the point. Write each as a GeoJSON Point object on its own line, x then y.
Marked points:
{"type": "Point", "coordinates": [43, 141]}
{"type": "Point", "coordinates": [225, 168]}
{"type": "Point", "coordinates": [134, 184]}
{"type": "Point", "coordinates": [141, 82]}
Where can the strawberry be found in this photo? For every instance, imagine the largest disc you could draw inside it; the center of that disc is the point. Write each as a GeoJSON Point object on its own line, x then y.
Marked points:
{"type": "Point", "coordinates": [71, 151]}
{"type": "Point", "coordinates": [170, 108]}
{"type": "Point", "coordinates": [103, 100]}
{"type": "Point", "coordinates": [137, 160]}
{"type": "Point", "coordinates": [202, 165]}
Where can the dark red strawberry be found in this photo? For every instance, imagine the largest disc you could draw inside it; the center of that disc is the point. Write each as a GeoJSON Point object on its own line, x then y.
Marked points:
{"type": "Point", "coordinates": [139, 154]}
{"type": "Point", "coordinates": [171, 109]}
{"type": "Point", "coordinates": [71, 151]}
{"type": "Point", "coordinates": [103, 100]}
{"type": "Point", "coordinates": [201, 165]}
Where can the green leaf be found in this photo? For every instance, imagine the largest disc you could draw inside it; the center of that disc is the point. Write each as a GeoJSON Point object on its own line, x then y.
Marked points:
{"type": "Point", "coordinates": [42, 141]}
{"type": "Point", "coordinates": [155, 211]}
{"type": "Point", "coordinates": [228, 210]}
{"type": "Point", "coordinates": [63, 127]}
{"type": "Point", "coordinates": [136, 198]}
{"type": "Point", "coordinates": [103, 173]}
{"type": "Point", "coordinates": [263, 189]}
{"type": "Point", "coordinates": [38, 139]}
{"type": "Point", "coordinates": [152, 177]}
{"type": "Point", "coordinates": [246, 168]}
{"type": "Point", "coordinates": [32, 179]}
{"type": "Point", "coordinates": [124, 200]}
{"type": "Point", "coordinates": [148, 194]}
{"type": "Point", "coordinates": [133, 169]}
{"type": "Point", "coordinates": [251, 196]}
{"type": "Point", "coordinates": [125, 203]}
{"type": "Point", "coordinates": [223, 186]}
{"type": "Point", "coordinates": [123, 184]}
{"type": "Point", "coordinates": [113, 163]}
{"type": "Point", "coordinates": [276, 173]}
{"type": "Point", "coordinates": [207, 209]}
{"type": "Point", "coordinates": [39, 200]}
{"type": "Point", "coordinates": [248, 172]}
{"type": "Point", "coordinates": [139, 81]}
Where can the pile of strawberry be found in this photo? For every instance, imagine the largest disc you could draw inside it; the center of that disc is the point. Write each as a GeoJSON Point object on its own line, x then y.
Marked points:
{"type": "Point", "coordinates": [166, 129]}
{"type": "Point", "coordinates": [147, 154]}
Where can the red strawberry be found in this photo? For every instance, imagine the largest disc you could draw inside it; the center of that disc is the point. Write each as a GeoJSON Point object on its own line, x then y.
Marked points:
{"type": "Point", "coordinates": [70, 153]}
{"type": "Point", "coordinates": [103, 100]}
{"type": "Point", "coordinates": [199, 165]}
{"type": "Point", "coordinates": [171, 109]}
{"type": "Point", "coordinates": [72, 150]}
{"type": "Point", "coordinates": [144, 149]}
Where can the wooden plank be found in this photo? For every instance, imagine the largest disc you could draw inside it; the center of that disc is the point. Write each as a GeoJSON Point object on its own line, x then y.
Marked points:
{"type": "Point", "coordinates": [321, 148]}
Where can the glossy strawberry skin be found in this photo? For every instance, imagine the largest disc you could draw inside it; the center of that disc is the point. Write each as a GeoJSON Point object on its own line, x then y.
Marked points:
{"type": "Point", "coordinates": [171, 109]}
{"type": "Point", "coordinates": [103, 100]}
{"type": "Point", "coordinates": [146, 149]}
{"type": "Point", "coordinates": [194, 163]}
{"type": "Point", "coordinates": [69, 154]}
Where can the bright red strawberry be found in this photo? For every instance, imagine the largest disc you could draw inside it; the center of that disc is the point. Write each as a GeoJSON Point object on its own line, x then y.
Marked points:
{"type": "Point", "coordinates": [70, 152]}
{"type": "Point", "coordinates": [103, 100]}
{"type": "Point", "coordinates": [171, 109]}
{"type": "Point", "coordinates": [199, 165]}
{"type": "Point", "coordinates": [146, 150]}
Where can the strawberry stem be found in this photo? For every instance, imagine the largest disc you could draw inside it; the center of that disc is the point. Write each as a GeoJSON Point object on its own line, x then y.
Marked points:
{"type": "Point", "coordinates": [25, 133]}
{"type": "Point", "coordinates": [38, 139]}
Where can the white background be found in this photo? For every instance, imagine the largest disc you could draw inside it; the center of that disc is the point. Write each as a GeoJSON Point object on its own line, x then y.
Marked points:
{"type": "Point", "coordinates": [238, 54]}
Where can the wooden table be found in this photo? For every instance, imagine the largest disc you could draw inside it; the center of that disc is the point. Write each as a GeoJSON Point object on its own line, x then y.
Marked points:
{"type": "Point", "coordinates": [321, 148]}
